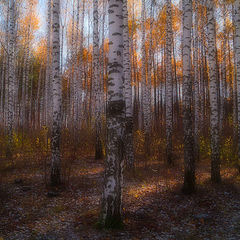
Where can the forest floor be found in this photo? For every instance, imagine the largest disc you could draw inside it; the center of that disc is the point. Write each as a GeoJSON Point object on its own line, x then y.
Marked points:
{"type": "Point", "coordinates": [153, 205]}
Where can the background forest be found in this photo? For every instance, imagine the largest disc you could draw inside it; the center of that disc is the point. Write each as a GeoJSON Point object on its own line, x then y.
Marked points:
{"type": "Point", "coordinates": [119, 115]}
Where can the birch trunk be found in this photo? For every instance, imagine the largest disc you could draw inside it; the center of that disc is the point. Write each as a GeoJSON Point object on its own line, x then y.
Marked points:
{"type": "Point", "coordinates": [73, 91]}
{"type": "Point", "coordinates": [196, 84]}
{"type": "Point", "coordinates": [213, 91]}
{"type": "Point", "coordinates": [127, 91]}
{"type": "Point", "coordinates": [80, 66]}
{"type": "Point", "coordinates": [97, 86]}
{"type": "Point", "coordinates": [144, 66]}
{"type": "Point", "coordinates": [25, 84]}
{"type": "Point", "coordinates": [237, 59]}
{"type": "Point", "coordinates": [11, 78]}
{"type": "Point", "coordinates": [189, 161]}
{"type": "Point", "coordinates": [57, 97]}
{"type": "Point", "coordinates": [48, 80]}
{"type": "Point", "coordinates": [113, 178]}
{"type": "Point", "coordinates": [4, 71]}
{"type": "Point", "coordinates": [235, 110]}
{"type": "Point", "coordinates": [147, 90]}
{"type": "Point", "coordinates": [223, 86]}
{"type": "Point", "coordinates": [169, 84]}
{"type": "Point", "coordinates": [7, 69]}
{"type": "Point", "coordinates": [102, 60]}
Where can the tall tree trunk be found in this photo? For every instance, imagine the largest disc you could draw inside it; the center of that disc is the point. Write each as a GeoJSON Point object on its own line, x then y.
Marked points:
{"type": "Point", "coordinates": [237, 57]}
{"type": "Point", "coordinates": [147, 90]}
{"type": "Point", "coordinates": [11, 77]}
{"type": "Point", "coordinates": [235, 110]}
{"type": "Point", "coordinates": [113, 177]}
{"type": "Point", "coordinates": [75, 35]}
{"type": "Point", "coordinates": [26, 69]}
{"type": "Point", "coordinates": [129, 155]}
{"type": "Point", "coordinates": [175, 87]}
{"type": "Point", "coordinates": [73, 88]}
{"type": "Point", "coordinates": [57, 97]}
{"type": "Point", "coordinates": [196, 85]}
{"type": "Point", "coordinates": [102, 60]}
{"type": "Point", "coordinates": [223, 86]}
{"type": "Point", "coordinates": [48, 81]}
{"type": "Point", "coordinates": [169, 84]}
{"type": "Point", "coordinates": [214, 114]}
{"type": "Point", "coordinates": [80, 66]}
{"type": "Point", "coordinates": [96, 81]}
{"type": "Point", "coordinates": [144, 65]}
{"type": "Point", "coordinates": [189, 161]}
{"type": "Point", "coordinates": [5, 72]}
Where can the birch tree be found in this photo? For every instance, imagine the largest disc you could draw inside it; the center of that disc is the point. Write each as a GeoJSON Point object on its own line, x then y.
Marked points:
{"type": "Point", "coordinates": [4, 84]}
{"type": "Point", "coordinates": [102, 57]}
{"type": "Point", "coordinates": [146, 82]}
{"type": "Point", "coordinates": [11, 77]}
{"type": "Point", "coordinates": [80, 67]}
{"type": "Point", "coordinates": [235, 110]}
{"type": "Point", "coordinates": [223, 85]}
{"type": "Point", "coordinates": [57, 96]}
{"type": "Point", "coordinates": [144, 65]}
{"type": "Point", "coordinates": [196, 83]}
{"type": "Point", "coordinates": [127, 90]}
{"type": "Point", "coordinates": [113, 178]}
{"type": "Point", "coordinates": [97, 86]}
{"type": "Point", "coordinates": [75, 91]}
{"type": "Point", "coordinates": [213, 90]}
{"type": "Point", "coordinates": [189, 161]}
{"type": "Point", "coordinates": [48, 81]}
{"type": "Point", "coordinates": [169, 83]}
{"type": "Point", "coordinates": [237, 60]}
{"type": "Point", "coordinates": [147, 89]}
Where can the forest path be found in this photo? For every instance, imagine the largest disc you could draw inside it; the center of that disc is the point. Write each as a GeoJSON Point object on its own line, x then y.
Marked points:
{"type": "Point", "coordinates": [153, 206]}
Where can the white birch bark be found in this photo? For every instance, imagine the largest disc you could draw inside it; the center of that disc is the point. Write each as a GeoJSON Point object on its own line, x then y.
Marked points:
{"type": "Point", "coordinates": [75, 68]}
{"type": "Point", "coordinates": [169, 83]}
{"type": "Point", "coordinates": [48, 80]}
{"type": "Point", "coordinates": [144, 63]}
{"type": "Point", "coordinates": [102, 60]}
{"type": "Point", "coordinates": [81, 67]}
{"type": "Point", "coordinates": [237, 62]}
{"type": "Point", "coordinates": [57, 96]}
{"type": "Point", "coordinates": [112, 193]}
{"type": "Point", "coordinates": [213, 90]}
{"type": "Point", "coordinates": [129, 155]}
{"type": "Point", "coordinates": [26, 67]}
{"type": "Point", "coordinates": [7, 69]}
{"type": "Point", "coordinates": [196, 83]}
{"type": "Point", "coordinates": [189, 161]}
{"type": "Point", "coordinates": [133, 66]}
{"type": "Point", "coordinates": [96, 81]}
{"type": "Point", "coordinates": [11, 77]}
{"type": "Point", "coordinates": [144, 66]}
{"type": "Point", "coordinates": [223, 85]}
{"type": "Point", "coordinates": [147, 113]}
{"type": "Point", "coordinates": [73, 89]}
{"type": "Point", "coordinates": [235, 110]}
{"type": "Point", "coordinates": [147, 89]}
{"type": "Point", "coordinates": [4, 74]}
